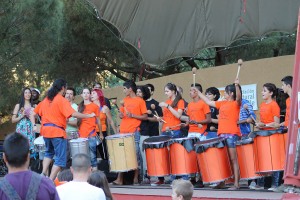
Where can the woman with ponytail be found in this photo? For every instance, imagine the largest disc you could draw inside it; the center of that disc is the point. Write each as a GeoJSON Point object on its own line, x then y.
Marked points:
{"type": "Point", "coordinates": [87, 127]}
{"type": "Point", "coordinates": [172, 110]}
{"type": "Point", "coordinates": [54, 111]}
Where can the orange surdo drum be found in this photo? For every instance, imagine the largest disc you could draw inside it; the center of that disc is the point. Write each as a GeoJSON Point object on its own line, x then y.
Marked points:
{"type": "Point", "coordinates": [183, 157]}
{"type": "Point", "coordinates": [121, 151]}
{"type": "Point", "coordinates": [157, 155]}
{"type": "Point", "coordinates": [213, 160]}
{"type": "Point", "coordinates": [269, 150]}
{"type": "Point", "coordinates": [246, 159]}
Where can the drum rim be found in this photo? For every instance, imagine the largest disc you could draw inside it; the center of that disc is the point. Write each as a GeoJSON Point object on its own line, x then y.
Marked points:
{"type": "Point", "coordinates": [82, 140]}
{"type": "Point", "coordinates": [115, 136]}
{"type": "Point", "coordinates": [156, 142]}
{"type": "Point", "coordinates": [127, 170]}
{"type": "Point", "coordinates": [200, 143]}
{"type": "Point", "coordinates": [218, 181]}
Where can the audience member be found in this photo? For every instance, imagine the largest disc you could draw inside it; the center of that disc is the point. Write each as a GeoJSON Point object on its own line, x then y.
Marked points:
{"type": "Point", "coordinates": [182, 190]}
{"type": "Point", "coordinates": [21, 183]}
{"type": "Point", "coordinates": [79, 188]}
{"type": "Point", "coordinates": [98, 179]}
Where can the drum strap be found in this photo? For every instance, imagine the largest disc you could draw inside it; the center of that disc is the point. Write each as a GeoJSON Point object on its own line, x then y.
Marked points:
{"type": "Point", "coordinates": [33, 188]}
{"type": "Point", "coordinates": [53, 125]}
{"type": "Point", "coordinates": [92, 132]}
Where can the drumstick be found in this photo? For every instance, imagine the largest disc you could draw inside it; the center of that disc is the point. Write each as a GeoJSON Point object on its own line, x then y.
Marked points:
{"type": "Point", "coordinates": [153, 108]}
{"type": "Point", "coordinates": [194, 75]}
{"type": "Point", "coordinates": [245, 106]}
{"type": "Point", "coordinates": [240, 62]}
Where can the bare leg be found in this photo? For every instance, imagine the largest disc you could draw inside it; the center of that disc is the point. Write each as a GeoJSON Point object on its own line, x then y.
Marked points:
{"type": "Point", "coordinates": [235, 165]}
{"type": "Point", "coordinates": [136, 176]}
{"type": "Point", "coordinates": [54, 171]}
{"type": "Point", "coordinates": [119, 180]}
{"type": "Point", "coordinates": [46, 164]}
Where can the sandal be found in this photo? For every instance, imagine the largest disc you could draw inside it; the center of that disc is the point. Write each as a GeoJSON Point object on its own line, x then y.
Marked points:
{"type": "Point", "coordinates": [234, 188]}
{"type": "Point", "coordinates": [114, 183]}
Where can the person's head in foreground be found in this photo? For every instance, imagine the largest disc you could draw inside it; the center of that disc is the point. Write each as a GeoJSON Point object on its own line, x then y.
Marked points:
{"type": "Point", "coordinates": [182, 190]}
{"type": "Point", "coordinates": [16, 152]}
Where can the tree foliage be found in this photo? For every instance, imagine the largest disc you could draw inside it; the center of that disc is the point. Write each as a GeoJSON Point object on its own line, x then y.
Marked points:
{"type": "Point", "coordinates": [44, 40]}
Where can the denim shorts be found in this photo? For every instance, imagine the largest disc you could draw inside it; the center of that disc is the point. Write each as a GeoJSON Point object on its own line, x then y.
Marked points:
{"type": "Point", "coordinates": [93, 150]}
{"type": "Point", "coordinates": [230, 139]}
{"type": "Point", "coordinates": [56, 147]}
{"type": "Point", "coordinates": [200, 136]}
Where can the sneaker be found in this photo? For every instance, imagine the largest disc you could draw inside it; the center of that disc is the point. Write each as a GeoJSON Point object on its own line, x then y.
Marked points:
{"type": "Point", "coordinates": [198, 184]}
{"type": "Point", "coordinates": [157, 183]}
{"type": "Point", "coordinates": [145, 181]}
{"type": "Point", "coordinates": [272, 188]}
{"type": "Point", "coordinates": [168, 181]}
{"type": "Point", "coordinates": [257, 187]}
{"type": "Point", "coordinates": [280, 188]}
{"type": "Point", "coordinates": [252, 185]}
{"type": "Point", "coordinates": [213, 185]}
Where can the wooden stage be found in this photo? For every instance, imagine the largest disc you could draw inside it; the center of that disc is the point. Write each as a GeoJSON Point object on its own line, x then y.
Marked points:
{"type": "Point", "coordinates": [147, 192]}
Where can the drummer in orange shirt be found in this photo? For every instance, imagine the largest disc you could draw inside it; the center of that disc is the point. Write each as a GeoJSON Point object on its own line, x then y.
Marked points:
{"type": "Point", "coordinates": [198, 114]}
{"type": "Point", "coordinates": [172, 111]}
{"type": "Point", "coordinates": [97, 98]}
{"type": "Point", "coordinates": [228, 128]}
{"type": "Point", "coordinates": [54, 111]}
{"type": "Point", "coordinates": [87, 127]}
{"type": "Point", "coordinates": [287, 83]}
{"type": "Point", "coordinates": [131, 114]}
{"type": "Point", "coordinates": [269, 113]}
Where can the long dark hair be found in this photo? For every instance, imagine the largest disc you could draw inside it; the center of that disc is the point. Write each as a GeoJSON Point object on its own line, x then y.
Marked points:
{"type": "Point", "coordinates": [231, 88]}
{"type": "Point", "coordinates": [145, 91]}
{"type": "Point", "coordinates": [173, 87]}
{"type": "Point", "coordinates": [98, 179]}
{"type": "Point", "coordinates": [22, 99]}
{"type": "Point", "coordinates": [271, 87]}
{"type": "Point", "coordinates": [81, 107]}
{"type": "Point", "coordinates": [56, 88]}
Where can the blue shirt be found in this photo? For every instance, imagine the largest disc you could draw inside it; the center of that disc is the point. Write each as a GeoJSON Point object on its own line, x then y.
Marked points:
{"type": "Point", "coordinates": [245, 114]}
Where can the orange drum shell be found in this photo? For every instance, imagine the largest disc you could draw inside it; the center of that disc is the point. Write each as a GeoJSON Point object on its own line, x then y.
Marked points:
{"type": "Point", "coordinates": [269, 153]}
{"type": "Point", "coordinates": [182, 162]}
{"type": "Point", "coordinates": [158, 162]}
{"type": "Point", "coordinates": [214, 165]}
{"type": "Point", "coordinates": [246, 158]}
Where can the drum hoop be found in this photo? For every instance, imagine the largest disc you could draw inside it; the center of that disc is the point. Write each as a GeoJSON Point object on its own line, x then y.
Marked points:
{"type": "Point", "coordinates": [79, 140]}
{"type": "Point", "coordinates": [117, 136]}
{"type": "Point", "coordinates": [156, 142]}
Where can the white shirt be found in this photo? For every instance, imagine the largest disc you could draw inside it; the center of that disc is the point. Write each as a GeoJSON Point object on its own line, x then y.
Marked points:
{"type": "Point", "coordinates": [79, 190]}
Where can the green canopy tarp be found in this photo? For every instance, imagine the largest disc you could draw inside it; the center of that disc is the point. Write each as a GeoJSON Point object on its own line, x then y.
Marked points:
{"type": "Point", "coordinates": [165, 29]}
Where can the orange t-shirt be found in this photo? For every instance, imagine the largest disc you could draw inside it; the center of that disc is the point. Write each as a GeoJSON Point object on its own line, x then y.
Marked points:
{"type": "Point", "coordinates": [228, 117]}
{"type": "Point", "coordinates": [55, 112]}
{"type": "Point", "coordinates": [136, 106]}
{"type": "Point", "coordinates": [89, 124]}
{"type": "Point", "coordinates": [102, 117]}
{"type": "Point", "coordinates": [268, 111]}
{"type": "Point", "coordinates": [287, 111]}
{"type": "Point", "coordinates": [197, 111]}
{"type": "Point", "coordinates": [171, 120]}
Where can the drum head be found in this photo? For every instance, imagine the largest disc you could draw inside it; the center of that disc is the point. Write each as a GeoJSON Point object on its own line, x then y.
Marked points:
{"type": "Point", "coordinates": [157, 139]}
{"type": "Point", "coordinates": [79, 140]}
{"type": "Point", "coordinates": [244, 141]}
{"type": "Point", "coordinates": [116, 136]}
{"type": "Point", "coordinates": [202, 146]}
{"type": "Point", "coordinates": [267, 132]}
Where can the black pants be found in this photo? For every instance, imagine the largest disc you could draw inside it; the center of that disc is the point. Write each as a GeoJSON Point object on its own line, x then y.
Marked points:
{"type": "Point", "coordinates": [102, 148]}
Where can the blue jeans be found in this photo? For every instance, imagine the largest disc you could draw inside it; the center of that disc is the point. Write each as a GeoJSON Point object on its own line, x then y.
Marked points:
{"type": "Point", "coordinates": [275, 180]}
{"type": "Point", "coordinates": [175, 134]}
{"type": "Point", "coordinates": [137, 136]}
{"type": "Point", "coordinates": [93, 150]}
{"type": "Point", "coordinates": [211, 135]}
